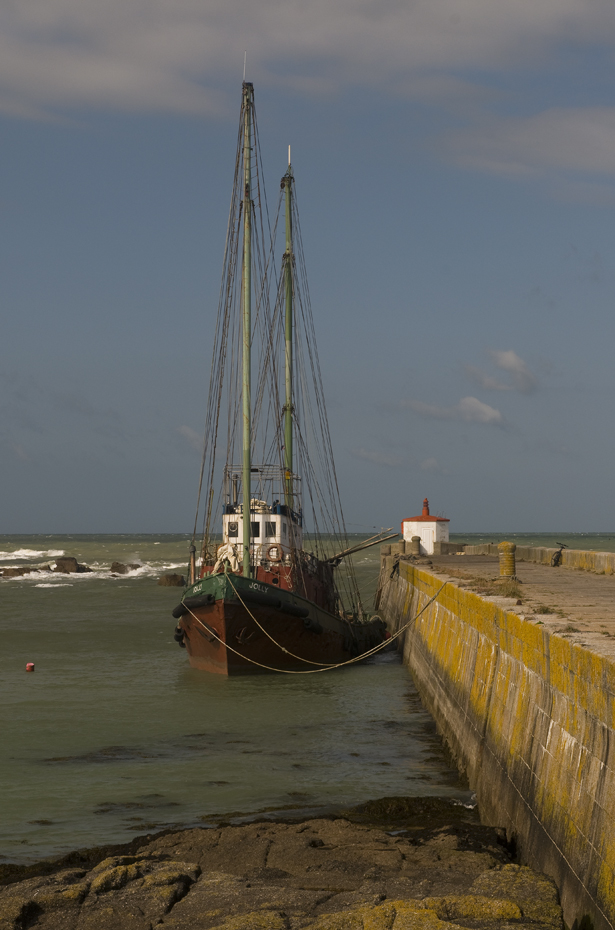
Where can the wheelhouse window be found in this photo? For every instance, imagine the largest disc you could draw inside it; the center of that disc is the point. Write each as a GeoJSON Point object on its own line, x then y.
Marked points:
{"type": "Point", "coordinates": [233, 529]}
{"type": "Point", "coordinates": [255, 529]}
{"type": "Point", "coordinates": [270, 530]}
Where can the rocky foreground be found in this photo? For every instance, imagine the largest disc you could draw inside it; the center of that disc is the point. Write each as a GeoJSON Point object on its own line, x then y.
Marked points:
{"type": "Point", "coordinates": [321, 874]}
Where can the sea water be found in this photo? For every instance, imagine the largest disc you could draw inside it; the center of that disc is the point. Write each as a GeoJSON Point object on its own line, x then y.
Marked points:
{"type": "Point", "coordinates": [114, 735]}
{"type": "Point", "coordinates": [599, 542]}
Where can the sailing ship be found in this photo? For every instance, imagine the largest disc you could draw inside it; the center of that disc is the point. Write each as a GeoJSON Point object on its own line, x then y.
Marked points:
{"type": "Point", "coordinates": [275, 590]}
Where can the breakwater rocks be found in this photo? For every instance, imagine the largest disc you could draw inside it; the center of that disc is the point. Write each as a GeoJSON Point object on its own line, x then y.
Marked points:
{"type": "Point", "coordinates": [320, 874]}
{"type": "Point", "coordinates": [20, 570]}
{"type": "Point", "coordinates": [120, 568]}
{"type": "Point", "coordinates": [172, 581]}
{"type": "Point", "coordinates": [66, 565]}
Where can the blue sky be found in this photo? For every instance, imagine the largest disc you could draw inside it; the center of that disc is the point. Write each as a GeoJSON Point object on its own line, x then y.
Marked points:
{"type": "Point", "coordinates": [455, 164]}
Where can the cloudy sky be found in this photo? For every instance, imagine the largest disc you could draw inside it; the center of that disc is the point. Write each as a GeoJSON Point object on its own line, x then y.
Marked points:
{"type": "Point", "coordinates": [455, 162]}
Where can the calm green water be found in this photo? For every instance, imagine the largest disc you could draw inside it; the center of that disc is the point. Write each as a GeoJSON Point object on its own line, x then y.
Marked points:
{"type": "Point", "coordinates": [115, 735]}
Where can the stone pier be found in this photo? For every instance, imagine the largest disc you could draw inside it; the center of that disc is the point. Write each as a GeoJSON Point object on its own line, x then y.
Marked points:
{"type": "Point", "coordinates": [520, 679]}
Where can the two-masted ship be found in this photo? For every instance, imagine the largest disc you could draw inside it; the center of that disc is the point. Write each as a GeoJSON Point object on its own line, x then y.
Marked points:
{"type": "Point", "coordinates": [272, 586]}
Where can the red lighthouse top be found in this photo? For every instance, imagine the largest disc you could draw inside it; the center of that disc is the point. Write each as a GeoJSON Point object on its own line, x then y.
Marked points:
{"type": "Point", "coordinates": [426, 516]}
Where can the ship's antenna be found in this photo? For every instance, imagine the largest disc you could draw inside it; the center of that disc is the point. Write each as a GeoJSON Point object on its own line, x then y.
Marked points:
{"type": "Point", "coordinates": [245, 54]}
{"type": "Point", "coordinates": [289, 156]}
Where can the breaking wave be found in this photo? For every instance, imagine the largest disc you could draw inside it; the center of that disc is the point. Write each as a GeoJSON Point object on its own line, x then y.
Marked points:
{"type": "Point", "coordinates": [100, 571]}
{"type": "Point", "coordinates": [60, 584]}
{"type": "Point", "coordinates": [31, 554]}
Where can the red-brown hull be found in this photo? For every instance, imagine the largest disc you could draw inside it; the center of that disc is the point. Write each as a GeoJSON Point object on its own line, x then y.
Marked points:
{"type": "Point", "coordinates": [240, 647]}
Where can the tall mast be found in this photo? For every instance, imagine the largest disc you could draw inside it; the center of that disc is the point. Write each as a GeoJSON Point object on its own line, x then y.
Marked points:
{"type": "Point", "coordinates": [287, 183]}
{"type": "Point", "coordinates": [248, 102]}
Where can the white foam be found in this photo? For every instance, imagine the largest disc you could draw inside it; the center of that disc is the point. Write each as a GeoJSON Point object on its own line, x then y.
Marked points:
{"type": "Point", "coordinates": [31, 554]}
{"type": "Point", "coordinates": [62, 584]}
{"type": "Point", "coordinates": [100, 572]}
{"type": "Point", "coordinates": [145, 569]}
{"type": "Point", "coordinates": [153, 569]}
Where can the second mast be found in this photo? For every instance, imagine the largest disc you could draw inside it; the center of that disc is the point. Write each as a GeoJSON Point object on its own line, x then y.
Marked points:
{"type": "Point", "coordinates": [287, 182]}
{"type": "Point", "coordinates": [248, 103]}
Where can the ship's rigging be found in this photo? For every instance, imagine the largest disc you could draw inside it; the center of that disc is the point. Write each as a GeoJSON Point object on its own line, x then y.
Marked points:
{"type": "Point", "coordinates": [311, 488]}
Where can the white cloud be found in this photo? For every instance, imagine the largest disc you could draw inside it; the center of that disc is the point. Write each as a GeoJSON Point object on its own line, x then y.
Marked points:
{"type": "Point", "coordinates": [469, 409]}
{"type": "Point", "coordinates": [175, 54]}
{"type": "Point", "coordinates": [432, 466]}
{"type": "Point", "coordinates": [566, 140]}
{"type": "Point", "coordinates": [192, 437]}
{"type": "Point", "coordinates": [377, 458]}
{"type": "Point", "coordinates": [475, 411]}
{"type": "Point", "coordinates": [521, 378]}
{"type": "Point", "coordinates": [486, 381]}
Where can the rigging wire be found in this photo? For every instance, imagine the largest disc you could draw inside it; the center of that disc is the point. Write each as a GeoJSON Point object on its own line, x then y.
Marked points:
{"type": "Point", "coordinates": [321, 507]}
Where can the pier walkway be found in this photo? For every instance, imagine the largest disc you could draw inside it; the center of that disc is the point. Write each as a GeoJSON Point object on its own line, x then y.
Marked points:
{"type": "Point", "coordinates": [575, 604]}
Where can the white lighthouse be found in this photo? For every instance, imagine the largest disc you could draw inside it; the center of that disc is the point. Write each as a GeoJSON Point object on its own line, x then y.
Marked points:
{"type": "Point", "coordinates": [429, 529]}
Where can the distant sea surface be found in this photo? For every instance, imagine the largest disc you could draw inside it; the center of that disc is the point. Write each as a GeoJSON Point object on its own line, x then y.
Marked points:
{"type": "Point", "coordinates": [601, 542]}
{"type": "Point", "coordinates": [114, 735]}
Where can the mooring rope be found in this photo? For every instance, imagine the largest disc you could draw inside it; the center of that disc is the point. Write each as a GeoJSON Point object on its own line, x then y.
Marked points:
{"type": "Point", "coordinates": [268, 635]}
{"type": "Point", "coordinates": [313, 671]}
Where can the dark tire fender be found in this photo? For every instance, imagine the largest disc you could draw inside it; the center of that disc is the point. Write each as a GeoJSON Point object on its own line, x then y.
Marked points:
{"type": "Point", "coordinates": [312, 625]}
{"type": "Point", "coordinates": [190, 603]}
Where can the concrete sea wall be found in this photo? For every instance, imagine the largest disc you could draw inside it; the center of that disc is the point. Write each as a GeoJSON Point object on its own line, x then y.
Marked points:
{"type": "Point", "coordinates": [603, 563]}
{"type": "Point", "coordinates": [530, 717]}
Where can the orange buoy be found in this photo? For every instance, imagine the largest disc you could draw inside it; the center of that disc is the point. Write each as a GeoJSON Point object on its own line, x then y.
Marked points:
{"type": "Point", "coordinates": [29, 666]}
